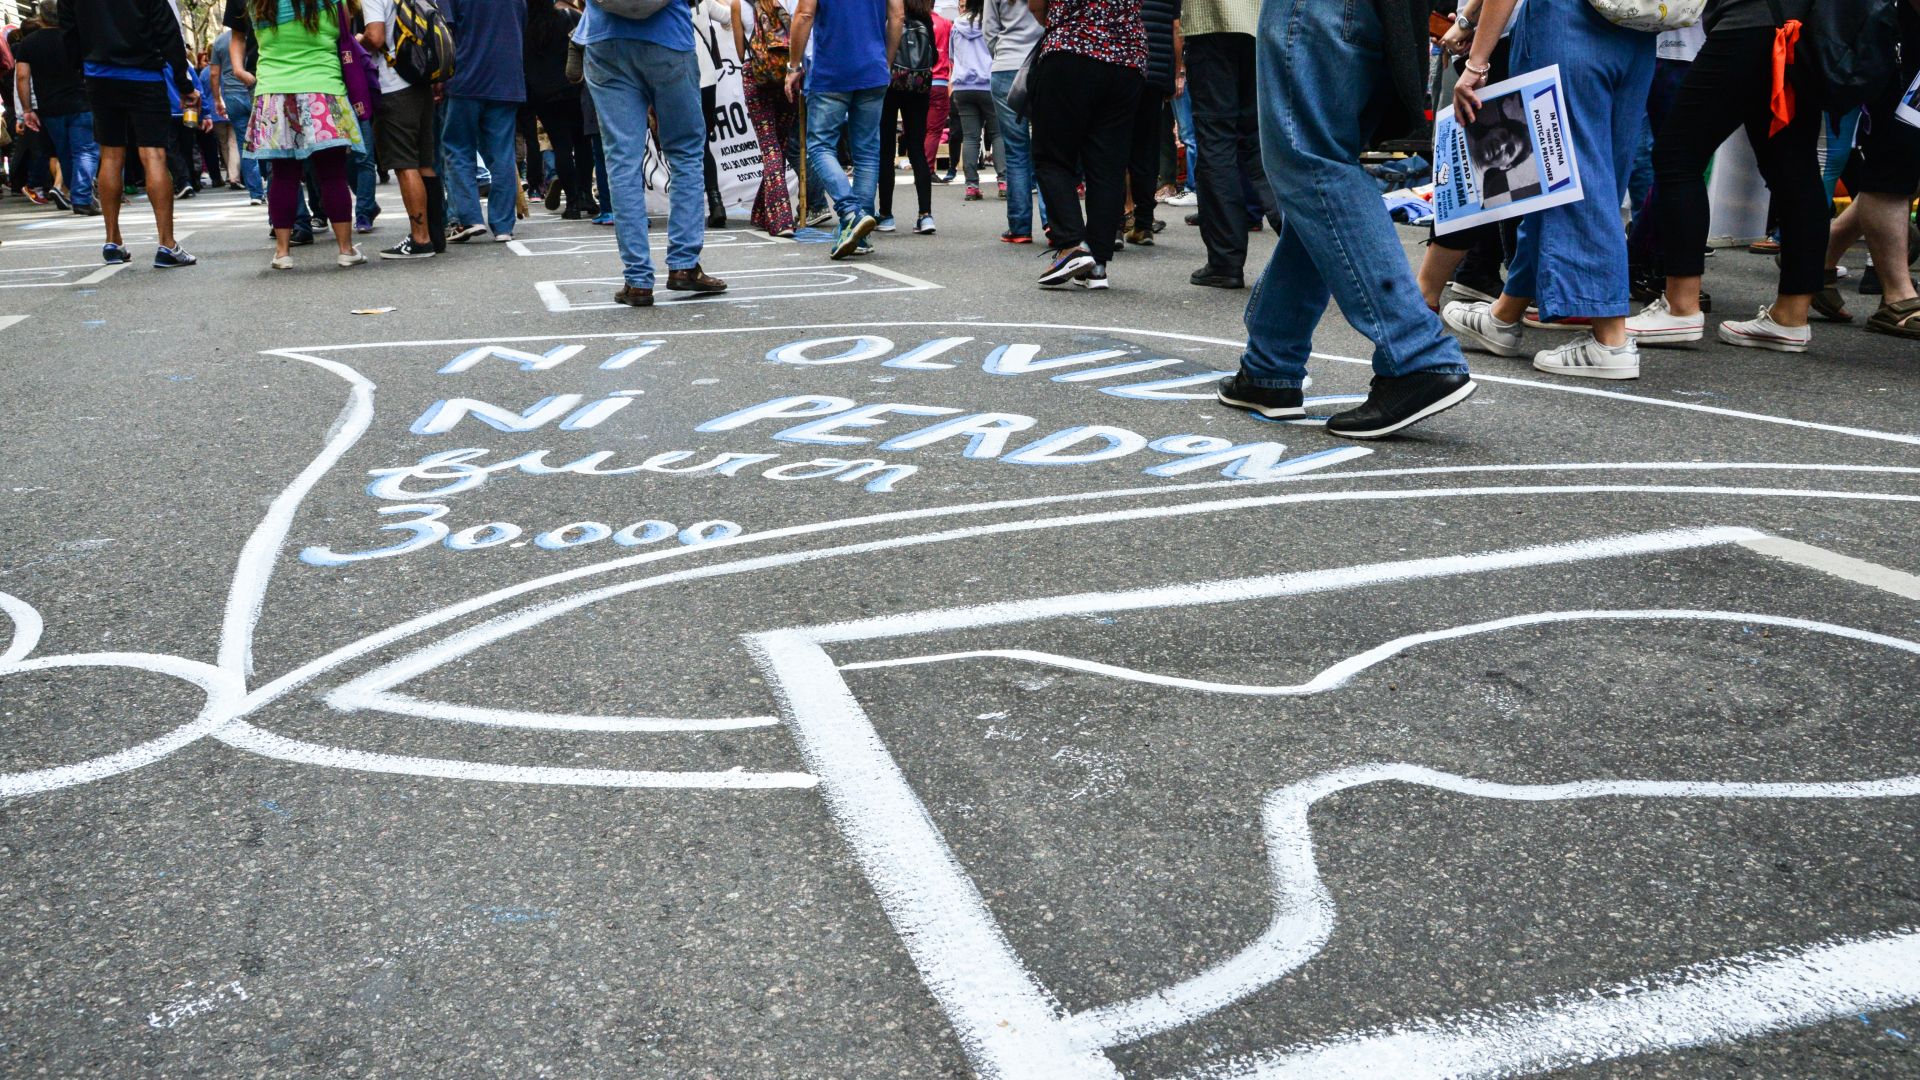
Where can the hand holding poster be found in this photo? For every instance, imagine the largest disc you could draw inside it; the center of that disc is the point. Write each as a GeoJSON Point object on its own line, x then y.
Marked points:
{"type": "Point", "coordinates": [1514, 158]}
{"type": "Point", "coordinates": [1909, 108]}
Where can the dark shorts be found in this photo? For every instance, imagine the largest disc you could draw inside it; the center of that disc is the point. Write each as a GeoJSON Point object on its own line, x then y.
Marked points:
{"type": "Point", "coordinates": [404, 130]}
{"type": "Point", "coordinates": [1886, 161]}
{"type": "Point", "coordinates": [127, 112]}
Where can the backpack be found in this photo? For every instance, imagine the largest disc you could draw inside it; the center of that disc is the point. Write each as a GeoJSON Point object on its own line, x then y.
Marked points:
{"type": "Point", "coordinates": [1849, 48]}
{"type": "Point", "coordinates": [1652, 16]}
{"type": "Point", "coordinates": [913, 61]}
{"type": "Point", "coordinates": [419, 45]}
{"type": "Point", "coordinates": [767, 49]}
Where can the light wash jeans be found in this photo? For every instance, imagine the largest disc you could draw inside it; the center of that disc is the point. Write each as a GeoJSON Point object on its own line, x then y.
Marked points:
{"type": "Point", "coordinates": [79, 155]}
{"type": "Point", "coordinates": [1183, 118]}
{"type": "Point", "coordinates": [1572, 259]}
{"type": "Point", "coordinates": [1319, 64]}
{"type": "Point", "coordinates": [478, 128]}
{"type": "Point", "coordinates": [629, 77]}
{"type": "Point", "coordinates": [366, 201]}
{"type": "Point", "coordinates": [240, 114]}
{"type": "Point", "coordinates": [1015, 162]}
{"type": "Point", "coordinates": [857, 113]}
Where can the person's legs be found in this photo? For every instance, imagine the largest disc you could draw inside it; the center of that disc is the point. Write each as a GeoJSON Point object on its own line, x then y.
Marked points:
{"type": "Point", "coordinates": [153, 161]}
{"type": "Point", "coordinates": [1103, 154]}
{"type": "Point", "coordinates": [772, 211]}
{"type": "Point", "coordinates": [889, 152]}
{"type": "Point", "coordinates": [113, 162]}
{"type": "Point", "coordinates": [1711, 104]}
{"type": "Point", "coordinates": [460, 146]}
{"type": "Point", "coordinates": [284, 182]}
{"type": "Point", "coordinates": [1014, 162]}
{"type": "Point", "coordinates": [241, 113]}
{"type": "Point", "coordinates": [968, 114]}
{"type": "Point", "coordinates": [913, 118]}
{"type": "Point", "coordinates": [330, 168]}
{"type": "Point", "coordinates": [497, 120]}
{"type": "Point", "coordinates": [1643, 242]}
{"type": "Point", "coordinates": [1790, 164]}
{"type": "Point", "coordinates": [933, 123]}
{"type": "Point", "coordinates": [561, 119]}
{"type": "Point", "coordinates": [1143, 157]}
{"type": "Point", "coordinates": [366, 200]}
{"type": "Point", "coordinates": [1183, 117]}
{"type": "Point", "coordinates": [1319, 66]}
{"type": "Point", "coordinates": [1062, 103]}
{"type": "Point", "coordinates": [613, 73]}
{"type": "Point", "coordinates": [827, 118]}
{"type": "Point", "coordinates": [1884, 220]}
{"type": "Point", "coordinates": [863, 143]}
{"type": "Point", "coordinates": [1212, 71]}
{"type": "Point", "coordinates": [673, 82]}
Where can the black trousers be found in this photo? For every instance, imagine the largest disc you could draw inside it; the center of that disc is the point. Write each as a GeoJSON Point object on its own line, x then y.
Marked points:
{"type": "Point", "coordinates": [1083, 128]}
{"type": "Point", "coordinates": [1226, 128]}
{"type": "Point", "coordinates": [1143, 159]}
{"type": "Point", "coordinates": [572, 155]}
{"type": "Point", "coordinates": [908, 111]}
{"type": "Point", "coordinates": [1730, 86]}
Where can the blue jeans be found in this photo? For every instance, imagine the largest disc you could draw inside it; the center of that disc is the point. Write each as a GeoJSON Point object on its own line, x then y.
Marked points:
{"type": "Point", "coordinates": [1183, 117]}
{"type": "Point", "coordinates": [1016, 158]}
{"type": "Point", "coordinates": [483, 129]}
{"type": "Point", "coordinates": [366, 203]}
{"type": "Point", "coordinates": [240, 114]}
{"type": "Point", "coordinates": [1572, 259]}
{"type": "Point", "coordinates": [79, 155]}
{"type": "Point", "coordinates": [629, 77]}
{"type": "Point", "coordinates": [1319, 65]}
{"type": "Point", "coordinates": [857, 113]}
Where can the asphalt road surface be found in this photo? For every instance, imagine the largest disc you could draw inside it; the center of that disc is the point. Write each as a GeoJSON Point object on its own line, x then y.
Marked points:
{"type": "Point", "coordinates": [893, 670]}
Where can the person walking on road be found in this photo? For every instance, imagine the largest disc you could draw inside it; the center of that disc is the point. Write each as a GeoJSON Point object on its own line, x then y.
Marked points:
{"type": "Point", "coordinates": [633, 67]}
{"type": "Point", "coordinates": [409, 143]}
{"type": "Point", "coordinates": [1086, 84]}
{"type": "Point", "coordinates": [1333, 78]}
{"type": "Point", "coordinates": [301, 116]}
{"type": "Point", "coordinates": [52, 92]}
{"type": "Point", "coordinates": [907, 107]}
{"type": "Point", "coordinates": [483, 100]}
{"type": "Point", "coordinates": [130, 50]}
{"type": "Point", "coordinates": [972, 93]}
{"type": "Point", "coordinates": [1218, 49]}
{"type": "Point", "coordinates": [760, 31]}
{"type": "Point", "coordinates": [846, 77]}
{"type": "Point", "coordinates": [1013, 33]}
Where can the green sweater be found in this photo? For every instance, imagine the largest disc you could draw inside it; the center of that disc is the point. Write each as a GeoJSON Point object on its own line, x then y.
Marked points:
{"type": "Point", "coordinates": [296, 60]}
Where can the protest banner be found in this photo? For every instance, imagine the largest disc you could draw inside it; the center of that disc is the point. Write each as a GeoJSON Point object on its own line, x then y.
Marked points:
{"type": "Point", "coordinates": [1514, 158]}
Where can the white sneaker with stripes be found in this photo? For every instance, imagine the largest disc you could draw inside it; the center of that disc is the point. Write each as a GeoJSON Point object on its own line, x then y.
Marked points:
{"type": "Point", "coordinates": [1585, 358]}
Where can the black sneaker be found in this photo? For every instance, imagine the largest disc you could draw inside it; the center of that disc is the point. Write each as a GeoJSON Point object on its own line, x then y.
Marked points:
{"type": "Point", "coordinates": [1395, 403]}
{"type": "Point", "coordinates": [1274, 403]}
{"type": "Point", "coordinates": [59, 198]}
{"type": "Point", "coordinates": [300, 238]}
{"type": "Point", "coordinates": [408, 249]}
{"type": "Point", "coordinates": [1214, 278]}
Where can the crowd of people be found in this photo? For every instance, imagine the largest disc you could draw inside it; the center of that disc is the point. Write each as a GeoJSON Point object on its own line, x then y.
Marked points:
{"type": "Point", "coordinates": [1091, 112]}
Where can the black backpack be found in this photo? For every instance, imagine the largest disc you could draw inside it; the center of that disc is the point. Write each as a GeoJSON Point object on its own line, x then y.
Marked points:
{"type": "Point", "coordinates": [419, 43]}
{"type": "Point", "coordinates": [1850, 47]}
{"type": "Point", "coordinates": [913, 61]}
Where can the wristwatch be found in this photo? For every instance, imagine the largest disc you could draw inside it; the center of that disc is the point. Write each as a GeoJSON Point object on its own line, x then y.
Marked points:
{"type": "Point", "coordinates": [1463, 22]}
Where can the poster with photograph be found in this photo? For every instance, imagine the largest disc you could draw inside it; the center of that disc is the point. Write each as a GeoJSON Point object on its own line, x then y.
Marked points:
{"type": "Point", "coordinates": [1909, 108]}
{"type": "Point", "coordinates": [1516, 156]}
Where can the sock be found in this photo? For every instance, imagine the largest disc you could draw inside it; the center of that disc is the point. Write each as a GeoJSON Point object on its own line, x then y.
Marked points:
{"type": "Point", "coordinates": [436, 213]}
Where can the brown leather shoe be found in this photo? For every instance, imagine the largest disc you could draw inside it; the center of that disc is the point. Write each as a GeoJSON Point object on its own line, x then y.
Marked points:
{"type": "Point", "coordinates": [694, 279]}
{"type": "Point", "coordinates": [634, 296]}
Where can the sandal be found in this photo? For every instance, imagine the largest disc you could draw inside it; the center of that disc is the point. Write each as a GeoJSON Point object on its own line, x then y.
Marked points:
{"type": "Point", "coordinates": [1898, 319]}
{"type": "Point", "coordinates": [1828, 302]}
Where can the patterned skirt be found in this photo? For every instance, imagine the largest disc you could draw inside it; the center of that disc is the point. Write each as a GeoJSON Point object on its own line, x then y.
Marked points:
{"type": "Point", "coordinates": [296, 125]}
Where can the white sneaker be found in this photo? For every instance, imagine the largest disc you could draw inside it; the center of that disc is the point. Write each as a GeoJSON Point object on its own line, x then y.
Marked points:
{"type": "Point", "coordinates": [282, 262]}
{"type": "Point", "coordinates": [502, 237]}
{"type": "Point", "coordinates": [349, 258]}
{"type": "Point", "coordinates": [1588, 359]}
{"type": "Point", "coordinates": [1475, 322]}
{"type": "Point", "coordinates": [1762, 332]}
{"type": "Point", "coordinates": [1185, 198]}
{"type": "Point", "coordinates": [1658, 325]}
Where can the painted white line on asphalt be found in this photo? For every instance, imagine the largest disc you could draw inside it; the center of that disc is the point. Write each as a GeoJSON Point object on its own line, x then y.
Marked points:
{"type": "Point", "coordinates": [9, 320]}
{"type": "Point", "coordinates": [27, 626]}
{"type": "Point", "coordinates": [107, 271]}
{"type": "Point", "coordinates": [1709, 1003]}
{"type": "Point", "coordinates": [1614, 395]}
{"type": "Point", "coordinates": [1847, 568]}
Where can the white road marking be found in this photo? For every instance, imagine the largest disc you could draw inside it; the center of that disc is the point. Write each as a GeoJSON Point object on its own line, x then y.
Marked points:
{"type": "Point", "coordinates": [403, 705]}
{"type": "Point", "coordinates": [26, 628]}
{"type": "Point", "coordinates": [1715, 1002]}
{"type": "Point", "coordinates": [9, 320]}
{"type": "Point", "coordinates": [1847, 568]}
{"type": "Point", "coordinates": [1229, 343]}
{"type": "Point", "coordinates": [747, 286]}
